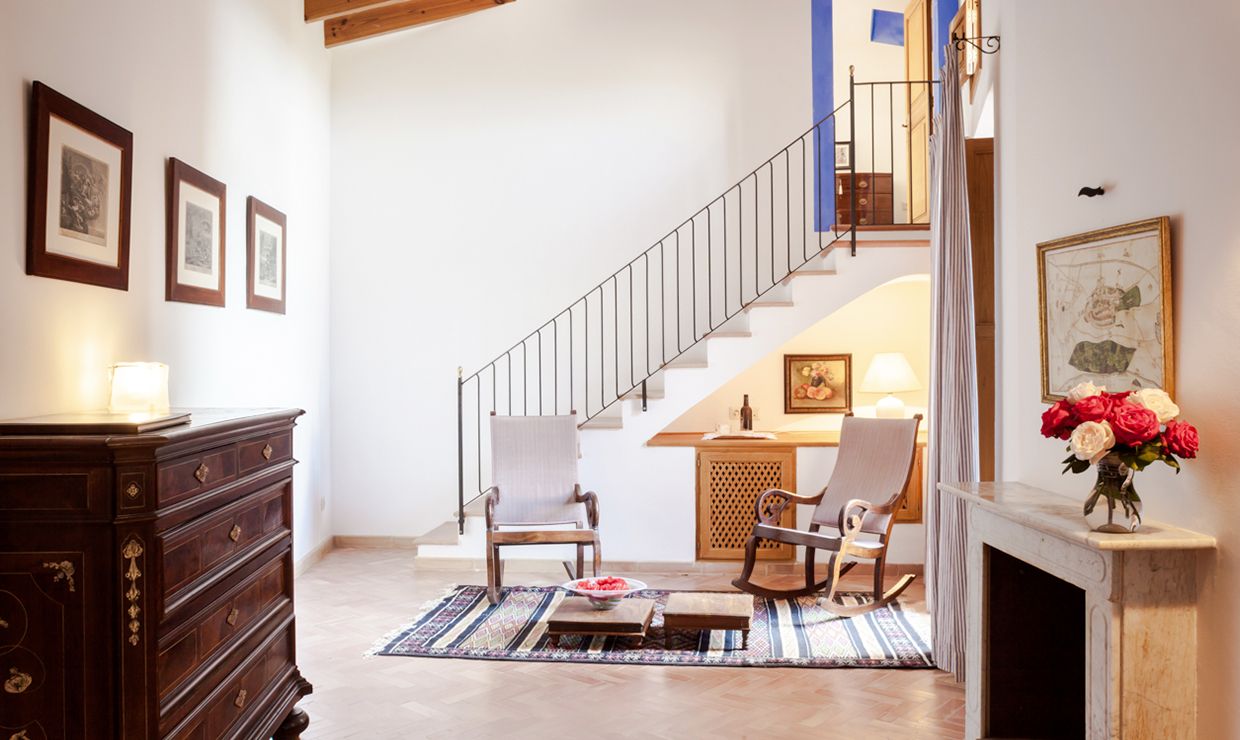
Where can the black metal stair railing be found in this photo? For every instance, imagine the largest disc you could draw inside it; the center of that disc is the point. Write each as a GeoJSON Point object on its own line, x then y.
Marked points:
{"type": "Point", "coordinates": [608, 344]}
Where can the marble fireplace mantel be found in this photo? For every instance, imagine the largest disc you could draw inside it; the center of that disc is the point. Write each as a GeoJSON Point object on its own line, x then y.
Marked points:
{"type": "Point", "coordinates": [1140, 615]}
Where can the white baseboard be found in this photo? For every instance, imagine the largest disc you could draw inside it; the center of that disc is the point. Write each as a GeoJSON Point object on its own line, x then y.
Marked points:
{"type": "Point", "coordinates": [316, 554]}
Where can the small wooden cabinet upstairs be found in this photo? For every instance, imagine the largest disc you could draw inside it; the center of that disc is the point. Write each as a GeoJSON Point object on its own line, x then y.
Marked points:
{"type": "Point", "coordinates": [146, 579]}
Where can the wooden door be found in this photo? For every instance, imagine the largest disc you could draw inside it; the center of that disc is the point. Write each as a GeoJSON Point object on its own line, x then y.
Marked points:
{"type": "Point", "coordinates": [729, 482]}
{"type": "Point", "coordinates": [979, 155]}
{"type": "Point", "coordinates": [917, 68]}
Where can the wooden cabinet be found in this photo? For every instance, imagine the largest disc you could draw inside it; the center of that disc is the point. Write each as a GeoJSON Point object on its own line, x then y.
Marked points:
{"type": "Point", "coordinates": [729, 481]}
{"type": "Point", "coordinates": [875, 194]}
{"type": "Point", "coordinates": [146, 581]}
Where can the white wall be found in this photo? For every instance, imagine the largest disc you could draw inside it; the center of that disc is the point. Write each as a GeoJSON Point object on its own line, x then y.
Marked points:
{"type": "Point", "coordinates": [238, 89]}
{"type": "Point", "coordinates": [488, 171]}
{"type": "Point", "coordinates": [1135, 96]}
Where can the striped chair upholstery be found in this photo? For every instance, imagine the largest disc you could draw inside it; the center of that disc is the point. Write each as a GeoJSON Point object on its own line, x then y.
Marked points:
{"type": "Point", "coordinates": [534, 466]}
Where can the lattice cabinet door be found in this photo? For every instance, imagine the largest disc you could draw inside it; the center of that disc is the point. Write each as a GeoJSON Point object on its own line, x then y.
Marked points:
{"type": "Point", "coordinates": [729, 482]}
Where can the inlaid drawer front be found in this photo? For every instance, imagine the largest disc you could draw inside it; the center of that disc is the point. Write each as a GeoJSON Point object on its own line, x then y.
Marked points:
{"type": "Point", "coordinates": [198, 552]}
{"type": "Point", "coordinates": [260, 453]}
{"type": "Point", "coordinates": [196, 474]}
{"type": "Point", "coordinates": [225, 623]}
{"type": "Point", "coordinates": [241, 693]}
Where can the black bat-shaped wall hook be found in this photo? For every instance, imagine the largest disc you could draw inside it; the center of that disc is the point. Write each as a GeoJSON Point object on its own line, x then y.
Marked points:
{"type": "Point", "coordinates": [1090, 192]}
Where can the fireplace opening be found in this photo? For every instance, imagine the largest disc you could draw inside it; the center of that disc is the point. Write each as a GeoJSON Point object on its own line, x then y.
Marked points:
{"type": "Point", "coordinates": [1035, 651]}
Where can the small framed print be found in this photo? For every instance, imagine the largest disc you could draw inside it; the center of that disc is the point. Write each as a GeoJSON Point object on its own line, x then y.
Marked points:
{"type": "Point", "coordinates": [817, 384]}
{"type": "Point", "coordinates": [842, 160]}
{"type": "Point", "coordinates": [195, 239]}
{"type": "Point", "coordinates": [266, 251]}
{"type": "Point", "coordinates": [80, 186]}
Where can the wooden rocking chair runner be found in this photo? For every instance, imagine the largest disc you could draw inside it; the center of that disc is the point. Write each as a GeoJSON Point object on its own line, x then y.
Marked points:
{"type": "Point", "coordinates": [534, 468]}
{"type": "Point", "coordinates": [859, 502]}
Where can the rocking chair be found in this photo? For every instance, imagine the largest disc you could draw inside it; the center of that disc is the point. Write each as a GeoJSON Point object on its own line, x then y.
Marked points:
{"type": "Point", "coordinates": [534, 466]}
{"type": "Point", "coordinates": [859, 502]}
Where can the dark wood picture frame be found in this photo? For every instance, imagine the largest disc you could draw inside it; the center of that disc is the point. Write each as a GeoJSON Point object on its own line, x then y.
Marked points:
{"type": "Point", "coordinates": [254, 209]}
{"type": "Point", "coordinates": [180, 172]}
{"type": "Point", "coordinates": [45, 104]}
{"type": "Point", "coordinates": [791, 403]}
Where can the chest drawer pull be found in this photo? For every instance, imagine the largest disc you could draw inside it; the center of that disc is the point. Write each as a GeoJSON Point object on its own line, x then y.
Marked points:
{"type": "Point", "coordinates": [232, 617]}
{"type": "Point", "coordinates": [267, 452]}
{"type": "Point", "coordinates": [202, 472]}
{"type": "Point", "coordinates": [234, 534]}
{"type": "Point", "coordinates": [239, 702]}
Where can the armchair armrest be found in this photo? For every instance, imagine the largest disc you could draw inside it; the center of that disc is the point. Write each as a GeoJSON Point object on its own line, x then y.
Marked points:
{"type": "Point", "coordinates": [777, 507]}
{"type": "Point", "coordinates": [590, 499]}
{"type": "Point", "coordinates": [492, 498]}
{"type": "Point", "coordinates": [864, 507]}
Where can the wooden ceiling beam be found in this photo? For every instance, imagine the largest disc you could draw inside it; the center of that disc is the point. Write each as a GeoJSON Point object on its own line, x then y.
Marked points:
{"type": "Point", "coordinates": [396, 16]}
{"type": "Point", "coordinates": [320, 10]}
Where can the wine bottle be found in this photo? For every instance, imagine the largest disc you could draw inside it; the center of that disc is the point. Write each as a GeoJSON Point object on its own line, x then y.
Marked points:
{"type": "Point", "coordinates": [746, 415]}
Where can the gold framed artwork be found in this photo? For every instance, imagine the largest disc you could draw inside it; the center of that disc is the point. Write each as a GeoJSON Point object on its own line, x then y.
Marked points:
{"type": "Point", "coordinates": [194, 261]}
{"type": "Point", "coordinates": [817, 384]}
{"type": "Point", "coordinates": [1104, 308]}
{"type": "Point", "coordinates": [80, 185]}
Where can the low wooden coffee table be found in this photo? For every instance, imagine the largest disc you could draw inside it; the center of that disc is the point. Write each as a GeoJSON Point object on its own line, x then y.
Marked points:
{"type": "Point", "coordinates": [709, 611]}
{"type": "Point", "coordinates": [575, 616]}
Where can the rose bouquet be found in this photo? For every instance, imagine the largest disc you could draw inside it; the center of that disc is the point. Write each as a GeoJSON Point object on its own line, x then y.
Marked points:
{"type": "Point", "coordinates": [1120, 433]}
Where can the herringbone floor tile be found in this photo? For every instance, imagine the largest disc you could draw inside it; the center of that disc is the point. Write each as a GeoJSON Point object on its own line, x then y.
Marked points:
{"type": "Point", "coordinates": [353, 597]}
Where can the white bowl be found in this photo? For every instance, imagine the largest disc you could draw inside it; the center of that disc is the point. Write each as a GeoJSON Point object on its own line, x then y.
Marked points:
{"type": "Point", "coordinates": [604, 599]}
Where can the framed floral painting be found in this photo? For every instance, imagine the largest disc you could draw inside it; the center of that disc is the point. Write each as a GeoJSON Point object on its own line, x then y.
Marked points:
{"type": "Point", "coordinates": [1104, 302]}
{"type": "Point", "coordinates": [817, 384]}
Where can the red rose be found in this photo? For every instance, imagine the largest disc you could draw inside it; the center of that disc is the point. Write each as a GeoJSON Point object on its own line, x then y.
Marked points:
{"type": "Point", "coordinates": [1057, 420]}
{"type": "Point", "coordinates": [1133, 424]}
{"type": "Point", "coordinates": [1116, 397]}
{"type": "Point", "coordinates": [1180, 439]}
{"type": "Point", "coordinates": [1092, 408]}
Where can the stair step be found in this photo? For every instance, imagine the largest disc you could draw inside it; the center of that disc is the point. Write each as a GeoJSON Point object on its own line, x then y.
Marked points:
{"type": "Point", "coordinates": [778, 295]}
{"type": "Point", "coordinates": [446, 533]}
{"type": "Point", "coordinates": [721, 334]}
{"type": "Point", "coordinates": [603, 421]}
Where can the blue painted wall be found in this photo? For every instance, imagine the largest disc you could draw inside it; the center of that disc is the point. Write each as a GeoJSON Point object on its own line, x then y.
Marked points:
{"type": "Point", "coordinates": [887, 27]}
{"type": "Point", "coordinates": [823, 60]}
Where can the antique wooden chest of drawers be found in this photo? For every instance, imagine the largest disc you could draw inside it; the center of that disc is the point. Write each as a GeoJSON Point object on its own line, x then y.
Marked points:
{"type": "Point", "coordinates": [875, 205]}
{"type": "Point", "coordinates": [146, 580]}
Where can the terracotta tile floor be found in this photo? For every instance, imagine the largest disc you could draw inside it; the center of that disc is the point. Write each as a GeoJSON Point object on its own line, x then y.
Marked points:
{"type": "Point", "coordinates": [352, 597]}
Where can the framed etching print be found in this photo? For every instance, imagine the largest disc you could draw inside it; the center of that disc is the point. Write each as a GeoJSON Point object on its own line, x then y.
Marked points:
{"type": "Point", "coordinates": [195, 238]}
{"type": "Point", "coordinates": [80, 177]}
{"type": "Point", "coordinates": [1104, 302]}
{"type": "Point", "coordinates": [265, 248]}
{"type": "Point", "coordinates": [817, 384]}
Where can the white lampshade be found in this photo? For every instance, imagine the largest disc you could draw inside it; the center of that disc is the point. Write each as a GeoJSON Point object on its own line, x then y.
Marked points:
{"type": "Point", "coordinates": [889, 372]}
{"type": "Point", "coordinates": [138, 388]}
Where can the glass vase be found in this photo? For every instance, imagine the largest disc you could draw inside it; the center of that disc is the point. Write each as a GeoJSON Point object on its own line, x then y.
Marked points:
{"type": "Point", "coordinates": [1113, 505]}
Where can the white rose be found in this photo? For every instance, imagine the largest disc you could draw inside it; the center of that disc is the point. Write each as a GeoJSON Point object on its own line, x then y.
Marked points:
{"type": "Point", "coordinates": [1091, 440]}
{"type": "Point", "coordinates": [1157, 400]}
{"type": "Point", "coordinates": [1084, 390]}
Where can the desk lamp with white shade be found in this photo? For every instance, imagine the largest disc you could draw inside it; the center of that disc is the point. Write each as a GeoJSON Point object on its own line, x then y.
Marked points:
{"type": "Point", "coordinates": [889, 373]}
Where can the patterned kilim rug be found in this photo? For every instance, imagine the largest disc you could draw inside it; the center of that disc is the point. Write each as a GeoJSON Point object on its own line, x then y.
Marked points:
{"type": "Point", "coordinates": [784, 633]}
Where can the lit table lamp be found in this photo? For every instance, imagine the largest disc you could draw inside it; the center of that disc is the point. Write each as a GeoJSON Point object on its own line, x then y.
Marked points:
{"type": "Point", "coordinates": [889, 373]}
{"type": "Point", "coordinates": [139, 388]}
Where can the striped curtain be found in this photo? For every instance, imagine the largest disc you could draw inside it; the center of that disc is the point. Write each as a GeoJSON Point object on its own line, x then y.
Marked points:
{"type": "Point", "coordinates": [952, 424]}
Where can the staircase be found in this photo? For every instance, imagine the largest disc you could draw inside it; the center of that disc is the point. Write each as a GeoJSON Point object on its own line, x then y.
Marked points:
{"type": "Point", "coordinates": [690, 311]}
